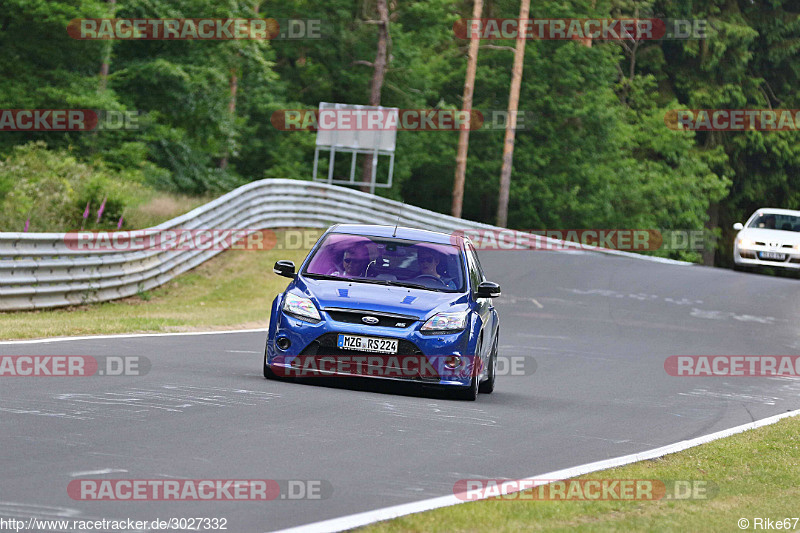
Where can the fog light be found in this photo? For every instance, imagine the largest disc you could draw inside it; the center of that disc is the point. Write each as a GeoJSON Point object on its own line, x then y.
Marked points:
{"type": "Point", "coordinates": [452, 362]}
{"type": "Point", "coordinates": [283, 343]}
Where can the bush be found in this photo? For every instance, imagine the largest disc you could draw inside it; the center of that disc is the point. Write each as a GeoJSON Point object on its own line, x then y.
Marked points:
{"type": "Point", "coordinates": [51, 188]}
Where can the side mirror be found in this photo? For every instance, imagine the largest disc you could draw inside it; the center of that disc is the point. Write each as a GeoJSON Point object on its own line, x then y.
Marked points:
{"type": "Point", "coordinates": [284, 268]}
{"type": "Point", "coordinates": [488, 289]}
{"type": "Point", "coordinates": [738, 226]}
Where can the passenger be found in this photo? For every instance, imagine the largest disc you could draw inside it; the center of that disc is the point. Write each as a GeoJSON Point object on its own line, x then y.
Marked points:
{"type": "Point", "coordinates": [768, 222]}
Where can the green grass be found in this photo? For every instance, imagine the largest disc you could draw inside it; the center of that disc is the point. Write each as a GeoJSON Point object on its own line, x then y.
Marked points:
{"type": "Point", "coordinates": [232, 291]}
{"type": "Point", "coordinates": [155, 207]}
{"type": "Point", "coordinates": [756, 474]}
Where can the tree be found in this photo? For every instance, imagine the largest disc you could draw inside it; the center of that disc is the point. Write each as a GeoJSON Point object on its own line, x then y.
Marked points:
{"type": "Point", "coordinates": [513, 105]}
{"type": "Point", "coordinates": [463, 135]}
{"type": "Point", "coordinates": [376, 84]}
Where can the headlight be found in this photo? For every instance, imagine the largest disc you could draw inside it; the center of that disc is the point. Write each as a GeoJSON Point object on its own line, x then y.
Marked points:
{"type": "Point", "coordinates": [300, 307]}
{"type": "Point", "coordinates": [446, 321]}
{"type": "Point", "coordinates": [744, 242]}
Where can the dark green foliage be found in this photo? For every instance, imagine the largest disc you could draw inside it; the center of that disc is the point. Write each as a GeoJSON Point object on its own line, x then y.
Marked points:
{"type": "Point", "coordinates": [598, 153]}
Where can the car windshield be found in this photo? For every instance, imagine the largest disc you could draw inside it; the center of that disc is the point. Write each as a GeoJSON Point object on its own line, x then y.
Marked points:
{"type": "Point", "coordinates": [775, 221]}
{"type": "Point", "coordinates": [388, 261]}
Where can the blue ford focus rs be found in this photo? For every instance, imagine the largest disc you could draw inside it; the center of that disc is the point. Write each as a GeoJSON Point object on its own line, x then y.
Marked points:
{"type": "Point", "coordinates": [391, 303]}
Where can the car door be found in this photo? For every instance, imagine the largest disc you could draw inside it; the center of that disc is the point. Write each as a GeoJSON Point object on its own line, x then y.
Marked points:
{"type": "Point", "coordinates": [483, 306]}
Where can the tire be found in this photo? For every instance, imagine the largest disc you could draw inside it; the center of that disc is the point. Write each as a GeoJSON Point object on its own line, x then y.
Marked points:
{"type": "Point", "coordinates": [469, 393]}
{"type": "Point", "coordinates": [487, 387]}
{"type": "Point", "coordinates": [268, 372]}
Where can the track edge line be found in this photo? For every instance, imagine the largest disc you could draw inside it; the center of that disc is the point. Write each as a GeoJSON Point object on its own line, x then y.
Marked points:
{"type": "Point", "coordinates": [132, 335]}
{"type": "Point", "coordinates": [387, 513]}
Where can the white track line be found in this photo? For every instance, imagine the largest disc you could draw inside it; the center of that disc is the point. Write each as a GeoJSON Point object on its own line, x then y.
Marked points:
{"type": "Point", "coordinates": [132, 335]}
{"type": "Point", "coordinates": [387, 513]}
{"type": "Point", "coordinates": [633, 255]}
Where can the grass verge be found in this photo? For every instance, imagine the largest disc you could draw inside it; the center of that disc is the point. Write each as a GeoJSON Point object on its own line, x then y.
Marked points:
{"type": "Point", "coordinates": [755, 473]}
{"type": "Point", "coordinates": [157, 207]}
{"type": "Point", "coordinates": [231, 291]}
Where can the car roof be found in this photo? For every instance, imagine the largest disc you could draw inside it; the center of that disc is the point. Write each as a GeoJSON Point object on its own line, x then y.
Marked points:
{"type": "Point", "coordinates": [402, 232]}
{"type": "Point", "coordinates": [777, 211]}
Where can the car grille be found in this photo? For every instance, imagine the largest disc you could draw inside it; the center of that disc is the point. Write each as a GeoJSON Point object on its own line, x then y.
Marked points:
{"type": "Point", "coordinates": [760, 243]}
{"type": "Point", "coordinates": [354, 316]}
{"type": "Point", "coordinates": [326, 345]}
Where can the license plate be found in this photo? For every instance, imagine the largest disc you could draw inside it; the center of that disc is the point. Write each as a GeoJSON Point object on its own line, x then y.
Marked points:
{"type": "Point", "coordinates": [772, 255]}
{"type": "Point", "coordinates": [367, 344]}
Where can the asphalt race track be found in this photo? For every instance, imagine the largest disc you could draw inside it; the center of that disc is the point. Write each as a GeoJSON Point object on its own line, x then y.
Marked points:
{"type": "Point", "coordinates": [599, 329]}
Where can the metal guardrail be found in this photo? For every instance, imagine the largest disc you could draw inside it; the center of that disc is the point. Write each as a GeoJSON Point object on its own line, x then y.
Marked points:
{"type": "Point", "coordinates": [41, 270]}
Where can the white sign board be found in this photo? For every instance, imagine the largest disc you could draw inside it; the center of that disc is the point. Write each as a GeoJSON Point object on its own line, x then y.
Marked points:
{"type": "Point", "coordinates": [346, 127]}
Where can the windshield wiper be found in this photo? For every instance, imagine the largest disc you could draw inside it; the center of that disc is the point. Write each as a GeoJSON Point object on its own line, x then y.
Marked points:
{"type": "Point", "coordinates": [413, 285]}
{"type": "Point", "coordinates": [323, 276]}
{"type": "Point", "coordinates": [389, 282]}
{"type": "Point", "coordinates": [356, 280]}
{"type": "Point", "coordinates": [373, 281]}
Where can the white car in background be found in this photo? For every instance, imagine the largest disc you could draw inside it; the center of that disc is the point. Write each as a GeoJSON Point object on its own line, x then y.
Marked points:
{"type": "Point", "coordinates": [771, 237]}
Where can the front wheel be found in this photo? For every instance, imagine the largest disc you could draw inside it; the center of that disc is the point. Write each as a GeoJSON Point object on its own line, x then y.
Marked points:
{"type": "Point", "coordinates": [469, 393]}
{"type": "Point", "coordinates": [268, 372]}
{"type": "Point", "coordinates": [487, 387]}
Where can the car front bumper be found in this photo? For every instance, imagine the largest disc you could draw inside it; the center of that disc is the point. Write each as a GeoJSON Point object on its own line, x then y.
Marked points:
{"type": "Point", "coordinates": [312, 350]}
{"type": "Point", "coordinates": [751, 256]}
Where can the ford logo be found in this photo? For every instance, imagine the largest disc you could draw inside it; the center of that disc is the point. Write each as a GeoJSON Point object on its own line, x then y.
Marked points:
{"type": "Point", "coordinates": [369, 320]}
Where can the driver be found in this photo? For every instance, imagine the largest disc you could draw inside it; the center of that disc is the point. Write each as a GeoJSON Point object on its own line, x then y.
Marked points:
{"type": "Point", "coordinates": [429, 266]}
{"type": "Point", "coordinates": [354, 262]}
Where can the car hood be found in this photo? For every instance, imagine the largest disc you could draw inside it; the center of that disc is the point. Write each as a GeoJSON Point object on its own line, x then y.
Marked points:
{"type": "Point", "coordinates": [770, 235]}
{"type": "Point", "coordinates": [371, 297]}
